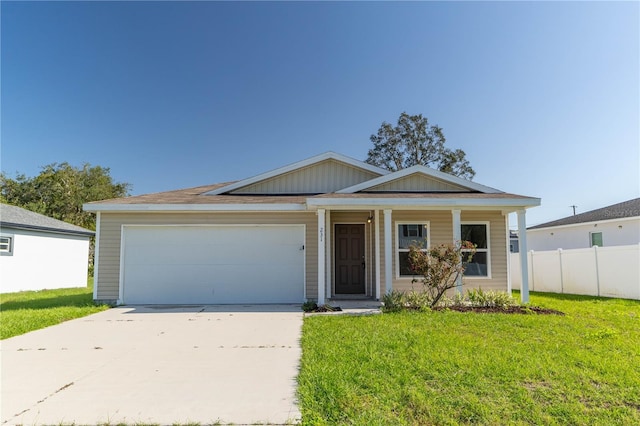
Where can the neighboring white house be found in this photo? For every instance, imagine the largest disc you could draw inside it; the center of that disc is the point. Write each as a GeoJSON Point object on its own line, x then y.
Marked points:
{"type": "Point", "coordinates": [615, 225]}
{"type": "Point", "coordinates": [38, 252]}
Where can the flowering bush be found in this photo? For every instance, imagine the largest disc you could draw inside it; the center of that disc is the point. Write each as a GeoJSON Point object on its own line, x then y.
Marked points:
{"type": "Point", "coordinates": [440, 266]}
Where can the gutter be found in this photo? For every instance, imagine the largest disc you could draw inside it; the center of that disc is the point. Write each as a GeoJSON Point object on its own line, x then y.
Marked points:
{"type": "Point", "coordinates": [5, 225]}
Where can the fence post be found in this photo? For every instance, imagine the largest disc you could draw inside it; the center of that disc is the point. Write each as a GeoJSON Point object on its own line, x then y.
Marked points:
{"type": "Point", "coordinates": [595, 253]}
{"type": "Point", "coordinates": [533, 281]}
{"type": "Point", "coordinates": [561, 274]}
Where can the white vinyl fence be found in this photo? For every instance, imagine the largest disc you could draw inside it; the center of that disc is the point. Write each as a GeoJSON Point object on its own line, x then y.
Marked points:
{"type": "Point", "coordinates": [597, 271]}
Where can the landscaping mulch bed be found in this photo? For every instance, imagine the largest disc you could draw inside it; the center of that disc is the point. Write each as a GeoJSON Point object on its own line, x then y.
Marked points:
{"type": "Point", "coordinates": [526, 310]}
{"type": "Point", "coordinates": [502, 310]}
{"type": "Point", "coordinates": [327, 309]}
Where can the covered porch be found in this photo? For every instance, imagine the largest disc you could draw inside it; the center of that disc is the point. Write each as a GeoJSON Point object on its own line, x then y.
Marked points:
{"type": "Point", "coordinates": [360, 248]}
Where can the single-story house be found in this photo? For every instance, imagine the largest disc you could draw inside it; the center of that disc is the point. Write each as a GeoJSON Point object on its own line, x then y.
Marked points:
{"type": "Point", "coordinates": [38, 252]}
{"type": "Point", "coordinates": [327, 227]}
{"type": "Point", "coordinates": [615, 225]}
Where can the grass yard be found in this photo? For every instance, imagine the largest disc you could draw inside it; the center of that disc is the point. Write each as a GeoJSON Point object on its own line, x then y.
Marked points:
{"type": "Point", "coordinates": [448, 368]}
{"type": "Point", "coordinates": [26, 311]}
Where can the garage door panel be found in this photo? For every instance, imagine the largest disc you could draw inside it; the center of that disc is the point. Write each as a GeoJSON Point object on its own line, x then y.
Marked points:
{"type": "Point", "coordinates": [173, 247]}
{"type": "Point", "coordinates": [224, 287]}
{"type": "Point", "coordinates": [211, 264]}
{"type": "Point", "coordinates": [224, 255]}
{"type": "Point", "coordinates": [200, 235]}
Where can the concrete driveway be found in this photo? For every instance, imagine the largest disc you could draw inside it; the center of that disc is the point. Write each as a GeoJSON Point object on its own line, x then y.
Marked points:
{"type": "Point", "coordinates": [164, 365]}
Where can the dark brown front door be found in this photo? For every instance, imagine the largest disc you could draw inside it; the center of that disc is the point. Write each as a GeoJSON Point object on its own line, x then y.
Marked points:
{"type": "Point", "coordinates": [349, 259]}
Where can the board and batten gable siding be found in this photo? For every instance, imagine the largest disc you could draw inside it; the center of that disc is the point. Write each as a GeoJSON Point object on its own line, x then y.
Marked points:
{"type": "Point", "coordinates": [417, 183]}
{"type": "Point", "coordinates": [441, 232]}
{"type": "Point", "coordinates": [324, 177]}
{"type": "Point", "coordinates": [108, 278]}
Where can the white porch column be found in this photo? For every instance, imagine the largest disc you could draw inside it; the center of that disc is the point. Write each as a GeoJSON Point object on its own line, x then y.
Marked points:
{"type": "Point", "coordinates": [376, 224]}
{"type": "Point", "coordinates": [506, 226]}
{"type": "Point", "coordinates": [524, 265]}
{"type": "Point", "coordinates": [321, 256]}
{"type": "Point", "coordinates": [328, 254]}
{"type": "Point", "coordinates": [388, 281]}
{"type": "Point", "coordinates": [457, 236]}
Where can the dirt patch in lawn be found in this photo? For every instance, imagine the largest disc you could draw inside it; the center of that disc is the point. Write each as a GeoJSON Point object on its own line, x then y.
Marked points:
{"type": "Point", "coordinates": [501, 310]}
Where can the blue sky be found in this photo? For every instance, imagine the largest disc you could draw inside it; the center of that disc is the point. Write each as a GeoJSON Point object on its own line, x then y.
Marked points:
{"type": "Point", "coordinates": [544, 97]}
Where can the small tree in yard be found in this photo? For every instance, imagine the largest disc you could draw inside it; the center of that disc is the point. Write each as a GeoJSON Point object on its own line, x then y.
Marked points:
{"type": "Point", "coordinates": [440, 266]}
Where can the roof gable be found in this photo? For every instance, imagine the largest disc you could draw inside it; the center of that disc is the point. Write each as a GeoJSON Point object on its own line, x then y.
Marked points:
{"type": "Point", "coordinates": [417, 182]}
{"type": "Point", "coordinates": [419, 179]}
{"type": "Point", "coordinates": [323, 173]}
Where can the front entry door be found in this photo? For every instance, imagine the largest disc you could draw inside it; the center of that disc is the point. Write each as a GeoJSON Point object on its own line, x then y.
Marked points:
{"type": "Point", "coordinates": [349, 259]}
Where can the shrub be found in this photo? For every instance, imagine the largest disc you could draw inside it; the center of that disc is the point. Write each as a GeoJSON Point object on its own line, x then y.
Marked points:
{"type": "Point", "coordinates": [417, 300]}
{"type": "Point", "coordinates": [457, 300]}
{"type": "Point", "coordinates": [412, 300]}
{"type": "Point", "coordinates": [309, 306]}
{"type": "Point", "coordinates": [482, 298]}
{"type": "Point", "coordinates": [440, 267]}
{"type": "Point", "coordinates": [393, 301]}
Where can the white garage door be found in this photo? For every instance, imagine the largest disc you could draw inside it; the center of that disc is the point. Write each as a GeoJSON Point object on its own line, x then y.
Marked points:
{"type": "Point", "coordinates": [213, 264]}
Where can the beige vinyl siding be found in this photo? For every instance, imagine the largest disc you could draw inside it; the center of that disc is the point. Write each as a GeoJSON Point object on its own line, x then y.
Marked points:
{"type": "Point", "coordinates": [441, 232]}
{"type": "Point", "coordinates": [110, 234]}
{"type": "Point", "coordinates": [416, 183]}
{"type": "Point", "coordinates": [440, 229]}
{"type": "Point", "coordinates": [361, 218]}
{"type": "Point", "coordinates": [380, 226]}
{"type": "Point", "coordinates": [498, 250]}
{"type": "Point", "coordinates": [326, 176]}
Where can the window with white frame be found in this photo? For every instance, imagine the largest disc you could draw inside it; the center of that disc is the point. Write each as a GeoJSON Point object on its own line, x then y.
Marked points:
{"type": "Point", "coordinates": [477, 234]}
{"type": "Point", "coordinates": [408, 234]}
{"type": "Point", "coordinates": [6, 244]}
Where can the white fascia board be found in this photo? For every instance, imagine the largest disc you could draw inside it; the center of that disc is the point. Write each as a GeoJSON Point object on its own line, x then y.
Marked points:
{"type": "Point", "coordinates": [506, 204]}
{"type": "Point", "coordinates": [192, 207]}
{"type": "Point", "coordinates": [593, 222]}
{"type": "Point", "coordinates": [427, 171]}
{"type": "Point", "coordinates": [298, 165]}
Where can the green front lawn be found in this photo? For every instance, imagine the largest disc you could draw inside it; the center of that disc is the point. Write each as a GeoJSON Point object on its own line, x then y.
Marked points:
{"type": "Point", "coordinates": [26, 311]}
{"type": "Point", "coordinates": [468, 368]}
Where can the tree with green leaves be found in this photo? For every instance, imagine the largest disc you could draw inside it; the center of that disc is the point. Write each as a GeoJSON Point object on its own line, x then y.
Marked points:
{"type": "Point", "coordinates": [60, 190]}
{"type": "Point", "coordinates": [414, 141]}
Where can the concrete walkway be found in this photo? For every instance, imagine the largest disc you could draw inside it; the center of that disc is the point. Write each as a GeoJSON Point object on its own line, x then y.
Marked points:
{"type": "Point", "coordinates": [164, 365]}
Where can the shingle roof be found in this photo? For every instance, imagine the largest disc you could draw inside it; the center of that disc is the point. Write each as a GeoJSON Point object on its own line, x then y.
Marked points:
{"type": "Point", "coordinates": [17, 217]}
{"type": "Point", "coordinates": [197, 195]}
{"type": "Point", "coordinates": [622, 210]}
{"type": "Point", "coordinates": [217, 196]}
